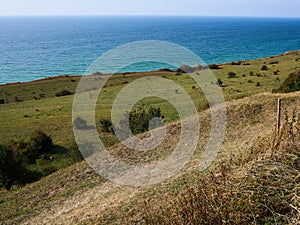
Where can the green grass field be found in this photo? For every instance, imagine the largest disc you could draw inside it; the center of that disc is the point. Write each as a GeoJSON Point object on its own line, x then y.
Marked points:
{"type": "Point", "coordinates": [53, 114]}
{"type": "Point", "coordinates": [34, 106]}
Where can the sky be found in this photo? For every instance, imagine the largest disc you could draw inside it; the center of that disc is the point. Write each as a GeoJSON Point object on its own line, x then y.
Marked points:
{"type": "Point", "coordinates": [253, 8]}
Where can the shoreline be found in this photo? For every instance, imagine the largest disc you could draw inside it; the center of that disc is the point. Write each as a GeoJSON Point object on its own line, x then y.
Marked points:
{"type": "Point", "coordinates": [47, 79]}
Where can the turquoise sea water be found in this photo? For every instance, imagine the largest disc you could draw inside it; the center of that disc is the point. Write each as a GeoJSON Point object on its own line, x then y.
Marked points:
{"type": "Point", "coordinates": [38, 47]}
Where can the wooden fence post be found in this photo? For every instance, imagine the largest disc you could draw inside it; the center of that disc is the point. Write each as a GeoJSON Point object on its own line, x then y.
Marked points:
{"type": "Point", "coordinates": [278, 115]}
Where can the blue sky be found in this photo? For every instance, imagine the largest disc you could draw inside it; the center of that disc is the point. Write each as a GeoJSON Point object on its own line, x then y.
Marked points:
{"type": "Point", "coordinates": [261, 8]}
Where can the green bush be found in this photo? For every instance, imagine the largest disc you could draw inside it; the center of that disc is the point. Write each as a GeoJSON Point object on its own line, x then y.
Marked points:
{"type": "Point", "coordinates": [16, 157]}
{"type": "Point", "coordinates": [219, 82]}
{"type": "Point", "coordinates": [264, 67]}
{"type": "Point", "coordinates": [236, 63]}
{"type": "Point", "coordinates": [141, 119]}
{"type": "Point", "coordinates": [231, 75]}
{"type": "Point", "coordinates": [63, 93]}
{"type": "Point", "coordinates": [10, 167]}
{"type": "Point", "coordinates": [214, 67]}
{"type": "Point", "coordinates": [291, 84]}
{"type": "Point", "coordinates": [106, 126]}
{"type": "Point", "coordinates": [38, 145]}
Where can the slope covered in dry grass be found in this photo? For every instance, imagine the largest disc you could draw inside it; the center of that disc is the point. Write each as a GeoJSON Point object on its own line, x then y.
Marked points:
{"type": "Point", "coordinates": [260, 187]}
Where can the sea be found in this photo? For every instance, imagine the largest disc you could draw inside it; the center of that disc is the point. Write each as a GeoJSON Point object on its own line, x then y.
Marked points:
{"type": "Point", "coordinates": [38, 47]}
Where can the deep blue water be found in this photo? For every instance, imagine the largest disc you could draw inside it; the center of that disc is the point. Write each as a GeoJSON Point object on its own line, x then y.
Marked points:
{"type": "Point", "coordinates": [38, 47]}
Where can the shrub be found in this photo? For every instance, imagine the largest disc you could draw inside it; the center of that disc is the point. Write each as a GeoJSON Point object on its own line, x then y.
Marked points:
{"type": "Point", "coordinates": [106, 126]}
{"type": "Point", "coordinates": [28, 151]}
{"type": "Point", "coordinates": [264, 67]}
{"type": "Point", "coordinates": [236, 63]}
{"type": "Point", "coordinates": [63, 93]}
{"type": "Point", "coordinates": [231, 75]}
{"type": "Point", "coordinates": [17, 99]}
{"type": "Point", "coordinates": [38, 145]}
{"type": "Point", "coordinates": [214, 67]}
{"type": "Point", "coordinates": [142, 118]}
{"type": "Point", "coordinates": [165, 70]}
{"type": "Point", "coordinates": [41, 141]}
{"type": "Point", "coordinates": [291, 84]}
{"type": "Point", "coordinates": [219, 82]}
{"type": "Point", "coordinates": [13, 166]}
{"type": "Point", "coordinates": [10, 167]}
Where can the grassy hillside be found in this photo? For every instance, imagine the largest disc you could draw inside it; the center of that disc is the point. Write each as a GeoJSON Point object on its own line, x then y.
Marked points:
{"type": "Point", "coordinates": [53, 114]}
{"type": "Point", "coordinates": [77, 195]}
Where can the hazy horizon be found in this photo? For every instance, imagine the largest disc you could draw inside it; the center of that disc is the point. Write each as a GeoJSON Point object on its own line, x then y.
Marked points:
{"type": "Point", "coordinates": [149, 15]}
{"type": "Point", "coordinates": [211, 8]}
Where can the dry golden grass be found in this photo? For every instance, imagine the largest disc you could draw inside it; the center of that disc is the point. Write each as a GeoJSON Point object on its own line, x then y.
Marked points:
{"type": "Point", "coordinates": [262, 187]}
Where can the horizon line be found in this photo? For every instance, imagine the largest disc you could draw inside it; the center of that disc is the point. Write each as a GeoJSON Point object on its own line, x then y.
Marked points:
{"type": "Point", "coordinates": [147, 15]}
